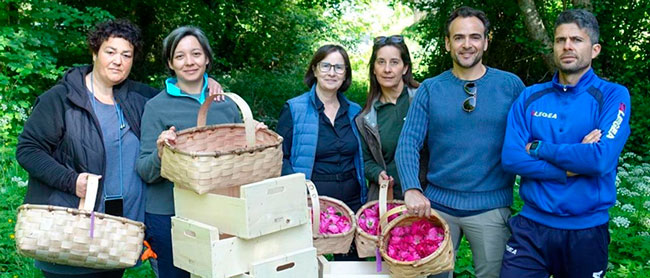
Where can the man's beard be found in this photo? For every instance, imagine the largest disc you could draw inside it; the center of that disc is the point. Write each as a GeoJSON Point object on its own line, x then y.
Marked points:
{"type": "Point", "coordinates": [477, 59]}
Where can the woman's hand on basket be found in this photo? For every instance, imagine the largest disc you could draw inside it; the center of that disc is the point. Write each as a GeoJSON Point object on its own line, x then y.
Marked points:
{"type": "Point", "coordinates": [417, 203]}
{"type": "Point", "coordinates": [386, 177]}
{"type": "Point", "coordinates": [214, 88]}
{"type": "Point", "coordinates": [82, 184]}
{"type": "Point", "coordinates": [166, 136]}
{"type": "Point", "coordinates": [259, 125]}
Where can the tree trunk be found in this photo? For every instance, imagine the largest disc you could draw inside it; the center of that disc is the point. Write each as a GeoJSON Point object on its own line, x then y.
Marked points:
{"type": "Point", "coordinates": [537, 31]}
{"type": "Point", "coordinates": [585, 4]}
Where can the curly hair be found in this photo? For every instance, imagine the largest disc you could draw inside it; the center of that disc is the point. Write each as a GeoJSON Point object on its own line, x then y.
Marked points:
{"type": "Point", "coordinates": [118, 28]}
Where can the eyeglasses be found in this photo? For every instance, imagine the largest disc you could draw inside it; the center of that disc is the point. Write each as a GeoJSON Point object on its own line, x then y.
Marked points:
{"type": "Point", "coordinates": [394, 39]}
{"type": "Point", "coordinates": [469, 104]}
{"type": "Point", "coordinates": [325, 68]}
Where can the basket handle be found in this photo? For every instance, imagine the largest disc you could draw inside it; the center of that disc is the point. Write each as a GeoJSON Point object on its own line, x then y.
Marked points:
{"type": "Point", "coordinates": [383, 220]}
{"type": "Point", "coordinates": [88, 202]}
{"type": "Point", "coordinates": [383, 196]}
{"type": "Point", "coordinates": [315, 207]}
{"type": "Point", "coordinates": [247, 115]}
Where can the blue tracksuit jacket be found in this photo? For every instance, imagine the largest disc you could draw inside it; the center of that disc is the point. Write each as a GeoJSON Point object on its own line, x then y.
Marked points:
{"type": "Point", "coordinates": [560, 116]}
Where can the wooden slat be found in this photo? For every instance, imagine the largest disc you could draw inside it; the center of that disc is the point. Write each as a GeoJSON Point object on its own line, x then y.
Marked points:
{"type": "Point", "coordinates": [264, 207]}
{"type": "Point", "coordinates": [198, 249]}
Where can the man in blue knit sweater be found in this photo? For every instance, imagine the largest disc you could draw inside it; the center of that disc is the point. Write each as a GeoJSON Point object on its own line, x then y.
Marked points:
{"type": "Point", "coordinates": [461, 116]}
{"type": "Point", "coordinates": [564, 138]}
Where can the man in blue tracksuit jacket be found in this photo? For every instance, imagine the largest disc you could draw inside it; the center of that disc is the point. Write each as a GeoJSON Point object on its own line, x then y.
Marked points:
{"type": "Point", "coordinates": [563, 138]}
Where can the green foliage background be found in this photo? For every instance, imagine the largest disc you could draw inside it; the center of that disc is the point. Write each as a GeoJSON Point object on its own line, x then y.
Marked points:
{"type": "Point", "coordinates": [262, 48]}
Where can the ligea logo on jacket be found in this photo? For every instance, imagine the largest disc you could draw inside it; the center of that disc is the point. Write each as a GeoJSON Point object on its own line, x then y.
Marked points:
{"type": "Point", "coordinates": [540, 114]}
{"type": "Point", "coordinates": [613, 129]}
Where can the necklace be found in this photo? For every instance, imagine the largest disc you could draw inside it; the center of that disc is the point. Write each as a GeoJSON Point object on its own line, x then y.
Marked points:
{"type": "Point", "coordinates": [122, 125]}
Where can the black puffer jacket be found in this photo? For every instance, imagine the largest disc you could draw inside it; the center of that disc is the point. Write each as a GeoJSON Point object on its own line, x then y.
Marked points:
{"type": "Point", "coordinates": [62, 137]}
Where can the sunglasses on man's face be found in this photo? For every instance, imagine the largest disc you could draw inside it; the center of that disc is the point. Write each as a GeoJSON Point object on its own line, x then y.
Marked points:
{"type": "Point", "coordinates": [394, 39]}
{"type": "Point", "coordinates": [469, 104]}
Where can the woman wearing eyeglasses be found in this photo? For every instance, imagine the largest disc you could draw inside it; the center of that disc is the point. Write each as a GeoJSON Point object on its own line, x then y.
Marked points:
{"type": "Point", "coordinates": [320, 135]}
{"type": "Point", "coordinates": [392, 88]}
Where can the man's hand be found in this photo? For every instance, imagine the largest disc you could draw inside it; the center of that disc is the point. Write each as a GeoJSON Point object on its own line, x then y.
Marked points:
{"type": "Point", "coordinates": [592, 137]}
{"type": "Point", "coordinates": [417, 203]}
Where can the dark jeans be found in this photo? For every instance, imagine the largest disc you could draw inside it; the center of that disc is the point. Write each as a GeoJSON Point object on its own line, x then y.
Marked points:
{"type": "Point", "coordinates": [106, 274]}
{"type": "Point", "coordinates": [159, 236]}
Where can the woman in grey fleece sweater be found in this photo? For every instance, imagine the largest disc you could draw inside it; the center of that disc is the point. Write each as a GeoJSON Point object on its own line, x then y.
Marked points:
{"type": "Point", "coordinates": [188, 56]}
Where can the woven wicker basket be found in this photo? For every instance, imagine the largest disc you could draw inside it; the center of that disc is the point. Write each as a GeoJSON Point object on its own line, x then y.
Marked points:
{"type": "Point", "coordinates": [442, 260]}
{"type": "Point", "coordinates": [366, 243]}
{"type": "Point", "coordinates": [63, 235]}
{"type": "Point", "coordinates": [213, 158]}
{"type": "Point", "coordinates": [325, 243]}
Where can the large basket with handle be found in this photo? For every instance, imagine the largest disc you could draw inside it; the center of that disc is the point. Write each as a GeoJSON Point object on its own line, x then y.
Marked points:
{"type": "Point", "coordinates": [329, 243]}
{"type": "Point", "coordinates": [212, 158]}
{"type": "Point", "coordinates": [78, 237]}
{"type": "Point", "coordinates": [439, 261]}
{"type": "Point", "coordinates": [366, 243]}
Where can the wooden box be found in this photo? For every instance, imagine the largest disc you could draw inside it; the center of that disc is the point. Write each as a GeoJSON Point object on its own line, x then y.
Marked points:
{"type": "Point", "coordinates": [200, 249]}
{"type": "Point", "coordinates": [359, 269]}
{"type": "Point", "coordinates": [262, 208]}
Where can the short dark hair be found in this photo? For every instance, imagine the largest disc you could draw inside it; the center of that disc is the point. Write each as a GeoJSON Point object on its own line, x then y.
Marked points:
{"type": "Point", "coordinates": [171, 42]}
{"type": "Point", "coordinates": [584, 19]}
{"type": "Point", "coordinates": [321, 53]}
{"type": "Point", "coordinates": [118, 28]}
{"type": "Point", "coordinates": [464, 12]}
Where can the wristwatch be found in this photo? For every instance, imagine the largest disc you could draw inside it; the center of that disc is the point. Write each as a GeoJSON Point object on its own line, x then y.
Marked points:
{"type": "Point", "coordinates": [534, 148]}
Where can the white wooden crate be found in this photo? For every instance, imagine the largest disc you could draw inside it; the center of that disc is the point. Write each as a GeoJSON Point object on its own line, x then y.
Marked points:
{"type": "Point", "coordinates": [360, 269]}
{"type": "Point", "coordinates": [295, 264]}
{"type": "Point", "coordinates": [262, 208]}
{"type": "Point", "coordinates": [198, 249]}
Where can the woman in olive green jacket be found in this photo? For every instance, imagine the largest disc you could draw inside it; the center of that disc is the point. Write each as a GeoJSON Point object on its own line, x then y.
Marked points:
{"type": "Point", "coordinates": [392, 88]}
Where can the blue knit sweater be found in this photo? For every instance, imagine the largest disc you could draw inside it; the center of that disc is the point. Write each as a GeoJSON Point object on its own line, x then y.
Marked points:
{"type": "Point", "coordinates": [560, 116]}
{"type": "Point", "coordinates": [465, 170]}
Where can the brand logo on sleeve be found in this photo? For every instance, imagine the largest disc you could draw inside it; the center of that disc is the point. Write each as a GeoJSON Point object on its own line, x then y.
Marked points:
{"type": "Point", "coordinates": [540, 114]}
{"type": "Point", "coordinates": [617, 123]}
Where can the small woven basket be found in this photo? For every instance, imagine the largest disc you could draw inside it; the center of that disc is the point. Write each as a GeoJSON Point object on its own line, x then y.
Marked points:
{"type": "Point", "coordinates": [366, 243]}
{"type": "Point", "coordinates": [442, 260]}
{"type": "Point", "coordinates": [78, 237]}
{"type": "Point", "coordinates": [326, 243]}
{"type": "Point", "coordinates": [213, 158]}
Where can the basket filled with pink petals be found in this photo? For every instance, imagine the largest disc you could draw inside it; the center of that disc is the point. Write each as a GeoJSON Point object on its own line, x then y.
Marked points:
{"type": "Point", "coordinates": [414, 246]}
{"type": "Point", "coordinates": [333, 223]}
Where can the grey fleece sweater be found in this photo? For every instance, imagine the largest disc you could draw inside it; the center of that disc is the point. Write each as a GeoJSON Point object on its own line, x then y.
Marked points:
{"type": "Point", "coordinates": [160, 113]}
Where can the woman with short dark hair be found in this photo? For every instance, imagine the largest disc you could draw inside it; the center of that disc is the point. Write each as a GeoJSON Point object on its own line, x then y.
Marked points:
{"type": "Point", "coordinates": [320, 135]}
{"type": "Point", "coordinates": [89, 124]}
{"type": "Point", "coordinates": [188, 56]}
